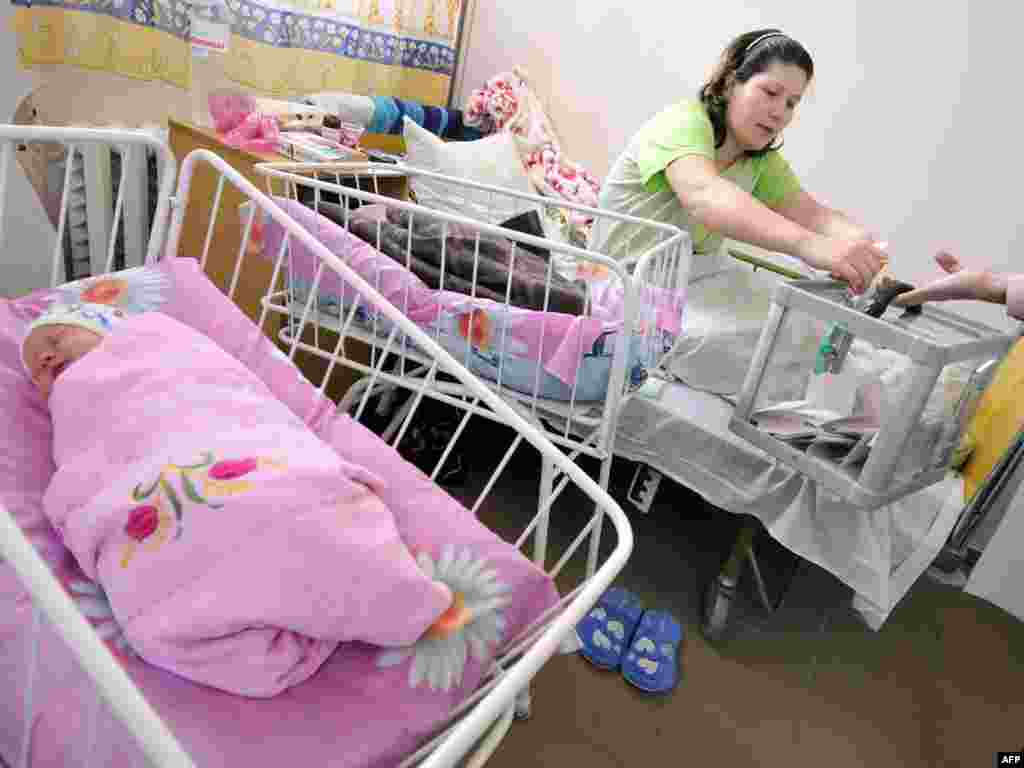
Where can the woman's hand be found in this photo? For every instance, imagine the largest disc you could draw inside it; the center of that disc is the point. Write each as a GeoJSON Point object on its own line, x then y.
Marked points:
{"type": "Point", "coordinates": [960, 284]}
{"type": "Point", "coordinates": [855, 261]}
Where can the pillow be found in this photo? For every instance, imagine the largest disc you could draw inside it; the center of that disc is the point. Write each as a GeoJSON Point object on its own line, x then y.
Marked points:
{"type": "Point", "coordinates": [723, 319]}
{"type": "Point", "coordinates": [493, 160]}
{"type": "Point", "coordinates": [348, 107]}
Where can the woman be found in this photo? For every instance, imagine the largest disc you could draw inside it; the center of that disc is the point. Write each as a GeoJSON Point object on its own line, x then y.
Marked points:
{"type": "Point", "coordinates": [712, 167]}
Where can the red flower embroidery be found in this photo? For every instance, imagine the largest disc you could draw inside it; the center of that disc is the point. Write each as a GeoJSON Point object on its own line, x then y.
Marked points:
{"type": "Point", "coordinates": [255, 245]}
{"type": "Point", "coordinates": [229, 470]}
{"type": "Point", "coordinates": [143, 522]}
{"type": "Point", "coordinates": [475, 327]}
{"type": "Point", "coordinates": [106, 291]}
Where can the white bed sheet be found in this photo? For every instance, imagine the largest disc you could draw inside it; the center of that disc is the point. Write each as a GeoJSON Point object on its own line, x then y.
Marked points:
{"type": "Point", "coordinates": [684, 434]}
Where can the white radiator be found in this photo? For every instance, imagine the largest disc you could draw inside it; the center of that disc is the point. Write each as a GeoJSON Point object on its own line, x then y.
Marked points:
{"type": "Point", "coordinates": [95, 179]}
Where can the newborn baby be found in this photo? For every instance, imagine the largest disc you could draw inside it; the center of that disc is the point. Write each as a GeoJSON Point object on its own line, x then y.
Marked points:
{"type": "Point", "coordinates": [62, 336]}
{"type": "Point", "coordinates": [236, 548]}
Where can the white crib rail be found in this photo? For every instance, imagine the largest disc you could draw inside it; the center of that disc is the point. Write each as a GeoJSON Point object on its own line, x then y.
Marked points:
{"type": "Point", "coordinates": [103, 216]}
{"type": "Point", "coordinates": [112, 682]}
{"type": "Point", "coordinates": [584, 428]}
{"type": "Point", "coordinates": [537, 645]}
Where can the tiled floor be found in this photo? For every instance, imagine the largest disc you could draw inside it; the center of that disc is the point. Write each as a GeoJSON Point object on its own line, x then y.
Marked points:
{"type": "Point", "coordinates": [942, 684]}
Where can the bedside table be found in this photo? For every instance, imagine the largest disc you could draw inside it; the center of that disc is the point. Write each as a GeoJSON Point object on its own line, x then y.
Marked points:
{"type": "Point", "coordinates": [227, 239]}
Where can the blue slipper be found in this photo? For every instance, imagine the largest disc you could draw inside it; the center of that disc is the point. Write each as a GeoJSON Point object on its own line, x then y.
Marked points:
{"type": "Point", "coordinates": [605, 632]}
{"type": "Point", "coordinates": [652, 661]}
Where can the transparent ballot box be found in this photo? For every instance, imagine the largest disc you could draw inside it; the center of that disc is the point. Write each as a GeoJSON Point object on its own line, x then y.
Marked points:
{"type": "Point", "coordinates": [871, 408]}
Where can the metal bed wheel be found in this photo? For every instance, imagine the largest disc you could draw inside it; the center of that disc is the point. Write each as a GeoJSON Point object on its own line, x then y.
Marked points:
{"type": "Point", "coordinates": [718, 599]}
{"type": "Point", "coordinates": [721, 592]}
{"type": "Point", "coordinates": [523, 705]}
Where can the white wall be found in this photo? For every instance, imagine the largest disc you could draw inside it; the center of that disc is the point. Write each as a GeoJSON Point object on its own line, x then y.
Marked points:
{"type": "Point", "coordinates": [27, 248]}
{"type": "Point", "coordinates": [911, 125]}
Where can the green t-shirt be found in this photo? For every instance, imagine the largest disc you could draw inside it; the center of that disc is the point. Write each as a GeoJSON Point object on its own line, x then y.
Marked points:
{"type": "Point", "coordinates": [637, 185]}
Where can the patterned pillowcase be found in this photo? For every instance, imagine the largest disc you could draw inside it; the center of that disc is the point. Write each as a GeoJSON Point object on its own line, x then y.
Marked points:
{"type": "Point", "coordinates": [494, 160]}
{"type": "Point", "coordinates": [180, 289]}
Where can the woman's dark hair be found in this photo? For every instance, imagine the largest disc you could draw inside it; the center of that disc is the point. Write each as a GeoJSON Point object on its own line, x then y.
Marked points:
{"type": "Point", "coordinates": [745, 57]}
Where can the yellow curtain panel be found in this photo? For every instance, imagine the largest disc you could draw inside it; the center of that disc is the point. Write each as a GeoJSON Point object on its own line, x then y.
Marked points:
{"type": "Point", "coordinates": [401, 48]}
{"type": "Point", "coordinates": [999, 418]}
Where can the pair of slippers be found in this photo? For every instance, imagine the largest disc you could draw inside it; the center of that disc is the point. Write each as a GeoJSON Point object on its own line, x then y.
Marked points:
{"type": "Point", "coordinates": [619, 634]}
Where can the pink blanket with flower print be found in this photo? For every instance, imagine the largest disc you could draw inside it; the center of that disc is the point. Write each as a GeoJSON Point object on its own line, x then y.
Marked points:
{"type": "Point", "coordinates": [235, 547]}
{"type": "Point", "coordinates": [507, 102]}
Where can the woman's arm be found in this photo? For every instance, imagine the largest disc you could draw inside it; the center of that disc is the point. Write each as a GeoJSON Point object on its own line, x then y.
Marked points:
{"type": "Point", "coordinates": [723, 207]}
{"type": "Point", "coordinates": [804, 210]}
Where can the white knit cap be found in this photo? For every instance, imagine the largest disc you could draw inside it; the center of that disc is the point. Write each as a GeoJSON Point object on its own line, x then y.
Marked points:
{"type": "Point", "coordinates": [98, 318]}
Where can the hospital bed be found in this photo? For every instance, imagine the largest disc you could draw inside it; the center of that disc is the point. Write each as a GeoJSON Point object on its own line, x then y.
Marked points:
{"type": "Point", "coordinates": [878, 552]}
{"type": "Point", "coordinates": [72, 691]}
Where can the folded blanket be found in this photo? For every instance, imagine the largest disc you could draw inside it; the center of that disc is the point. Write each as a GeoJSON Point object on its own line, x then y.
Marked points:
{"type": "Point", "coordinates": [446, 123]}
{"type": "Point", "coordinates": [421, 251]}
{"type": "Point", "coordinates": [236, 548]}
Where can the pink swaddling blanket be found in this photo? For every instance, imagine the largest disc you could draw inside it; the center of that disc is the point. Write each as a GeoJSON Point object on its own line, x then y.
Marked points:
{"type": "Point", "coordinates": [237, 549]}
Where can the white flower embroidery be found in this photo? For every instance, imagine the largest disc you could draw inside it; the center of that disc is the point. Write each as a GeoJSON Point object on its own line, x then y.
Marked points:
{"type": "Point", "coordinates": [441, 661]}
{"type": "Point", "coordinates": [93, 604]}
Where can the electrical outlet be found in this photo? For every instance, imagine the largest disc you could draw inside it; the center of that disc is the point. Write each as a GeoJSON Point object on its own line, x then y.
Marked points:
{"type": "Point", "coordinates": [644, 487]}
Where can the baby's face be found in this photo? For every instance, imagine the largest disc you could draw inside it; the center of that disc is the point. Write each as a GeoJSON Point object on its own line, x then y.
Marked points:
{"type": "Point", "coordinates": [52, 348]}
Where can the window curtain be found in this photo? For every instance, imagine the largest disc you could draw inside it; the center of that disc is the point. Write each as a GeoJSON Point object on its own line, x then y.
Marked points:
{"type": "Point", "coordinates": [285, 48]}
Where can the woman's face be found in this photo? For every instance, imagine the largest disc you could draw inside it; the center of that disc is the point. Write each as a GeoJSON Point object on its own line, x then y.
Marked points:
{"type": "Point", "coordinates": [761, 108]}
{"type": "Point", "coordinates": [51, 348]}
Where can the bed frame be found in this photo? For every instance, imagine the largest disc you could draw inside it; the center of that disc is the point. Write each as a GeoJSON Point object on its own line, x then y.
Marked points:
{"type": "Point", "coordinates": [584, 429]}
{"type": "Point", "coordinates": [474, 730]}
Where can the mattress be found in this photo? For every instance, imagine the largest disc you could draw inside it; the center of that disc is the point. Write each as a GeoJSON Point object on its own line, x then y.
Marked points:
{"type": "Point", "coordinates": [684, 434]}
